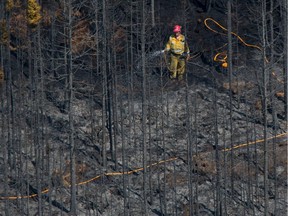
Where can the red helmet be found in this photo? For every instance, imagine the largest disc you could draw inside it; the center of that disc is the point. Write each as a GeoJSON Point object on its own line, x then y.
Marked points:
{"type": "Point", "coordinates": [177, 28]}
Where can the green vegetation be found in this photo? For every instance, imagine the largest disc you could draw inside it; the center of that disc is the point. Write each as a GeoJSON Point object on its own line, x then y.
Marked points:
{"type": "Point", "coordinates": [9, 5]}
{"type": "Point", "coordinates": [3, 32]}
{"type": "Point", "coordinates": [33, 13]}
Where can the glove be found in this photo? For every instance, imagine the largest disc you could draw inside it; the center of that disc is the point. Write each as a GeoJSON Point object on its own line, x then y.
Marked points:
{"type": "Point", "coordinates": [185, 56]}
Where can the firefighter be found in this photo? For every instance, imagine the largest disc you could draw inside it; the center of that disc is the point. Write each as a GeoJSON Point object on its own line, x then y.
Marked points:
{"type": "Point", "coordinates": [179, 53]}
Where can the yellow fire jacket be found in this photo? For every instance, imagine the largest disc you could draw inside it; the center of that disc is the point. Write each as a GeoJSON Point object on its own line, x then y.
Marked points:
{"type": "Point", "coordinates": [177, 45]}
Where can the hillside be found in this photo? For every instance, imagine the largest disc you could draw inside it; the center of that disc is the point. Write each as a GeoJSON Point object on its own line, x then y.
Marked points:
{"type": "Point", "coordinates": [91, 124]}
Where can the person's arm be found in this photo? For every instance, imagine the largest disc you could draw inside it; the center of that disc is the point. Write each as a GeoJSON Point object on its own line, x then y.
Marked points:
{"type": "Point", "coordinates": [168, 46]}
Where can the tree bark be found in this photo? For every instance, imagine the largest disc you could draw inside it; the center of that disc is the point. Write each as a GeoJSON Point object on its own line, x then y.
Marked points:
{"type": "Point", "coordinates": [144, 105]}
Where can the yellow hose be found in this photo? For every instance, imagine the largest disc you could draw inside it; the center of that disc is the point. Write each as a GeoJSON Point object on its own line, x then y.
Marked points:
{"type": "Point", "coordinates": [45, 191]}
{"type": "Point", "coordinates": [224, 59]}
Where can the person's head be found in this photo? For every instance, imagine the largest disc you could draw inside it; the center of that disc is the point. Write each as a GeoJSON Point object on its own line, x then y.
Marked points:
{"type": "Point", "coordinates": [177, 29]}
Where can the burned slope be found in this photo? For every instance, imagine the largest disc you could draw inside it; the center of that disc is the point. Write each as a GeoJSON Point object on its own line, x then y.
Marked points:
{"type": "Point", "coordinates": [157, 147]}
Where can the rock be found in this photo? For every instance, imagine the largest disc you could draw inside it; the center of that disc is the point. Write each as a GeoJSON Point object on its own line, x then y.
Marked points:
{"type": "Point", "coordinates": [279, 170]}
